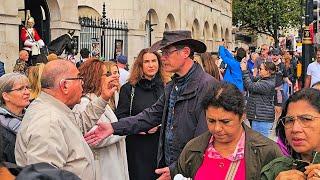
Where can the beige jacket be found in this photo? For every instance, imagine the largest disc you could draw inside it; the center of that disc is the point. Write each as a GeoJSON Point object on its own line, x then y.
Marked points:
{"type": "Point", "coordinates": [50, 132]}
{"type": "Point", "coordinates": [110, 155]}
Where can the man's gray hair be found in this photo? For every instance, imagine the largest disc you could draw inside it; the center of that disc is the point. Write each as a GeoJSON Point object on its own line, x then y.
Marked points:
{"type": "Point", "coordinates": [7, 82]}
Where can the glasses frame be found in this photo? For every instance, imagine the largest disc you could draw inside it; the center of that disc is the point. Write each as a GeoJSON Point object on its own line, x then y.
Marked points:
{"type": "Point", "coordinates": [297, 118]}
{"type": "Point", "coordinates": [73, 79]}
{"type": "Point", "coordinates": [167, 54]}
{"type": "Point", "coordinates": [20, 89]}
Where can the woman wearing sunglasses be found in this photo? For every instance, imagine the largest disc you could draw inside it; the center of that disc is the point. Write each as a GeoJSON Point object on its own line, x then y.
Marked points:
{"type": "Point", "coordinates": [299, 129]}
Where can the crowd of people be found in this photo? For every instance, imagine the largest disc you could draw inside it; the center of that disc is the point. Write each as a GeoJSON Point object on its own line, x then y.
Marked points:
{"type": "Point", "coordinates": [179, 112]}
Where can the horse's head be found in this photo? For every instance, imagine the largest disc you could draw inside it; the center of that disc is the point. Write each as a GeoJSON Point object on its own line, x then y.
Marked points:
{"type": "Point", "coordinates": [71, 32]}
{"type": "Point", "coordinates": [72, 47]}
{"type": "Point", "coordinates": [65, 43]}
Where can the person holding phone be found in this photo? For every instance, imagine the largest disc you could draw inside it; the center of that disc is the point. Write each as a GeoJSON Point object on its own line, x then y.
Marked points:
{"type": "Point", "coordinates": [113, 69]}
{"type": "Point", "coordinates": [299, 129]}
{"type": "Point", "coordinates": [260, 92]}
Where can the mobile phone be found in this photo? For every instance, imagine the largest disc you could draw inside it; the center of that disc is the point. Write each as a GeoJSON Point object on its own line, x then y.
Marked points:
{"type": "Point", "coordinates": [300, 165]}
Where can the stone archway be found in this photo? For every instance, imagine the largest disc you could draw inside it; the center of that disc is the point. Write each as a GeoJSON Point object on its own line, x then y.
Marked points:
{"type": "Point", "coordinates": [195, 29]}
{"type": "Point", "coordinates": [222, 34]}
{"type": "Point", "coordinates": [207, 35]}
{"type": "Point", "coordinates": [86, 11]}
{"type": "Point", "coordinates": [170, 23]}
{"type": "Point", "coordinates": [227, 35]}
{"type": "Point", "coordinates": [151, 19]}
{"type": "Point", "coordinates": [215, 32]}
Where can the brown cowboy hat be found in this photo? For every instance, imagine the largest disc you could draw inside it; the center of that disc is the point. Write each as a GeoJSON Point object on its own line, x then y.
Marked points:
{"type": "Point", "coordinates": [179, 37]}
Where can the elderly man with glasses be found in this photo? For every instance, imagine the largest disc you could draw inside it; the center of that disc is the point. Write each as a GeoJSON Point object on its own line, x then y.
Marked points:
{"type": "Point", "coordinates": [51, 132]}
{"type": "Point", "coordinates": [179, 110]}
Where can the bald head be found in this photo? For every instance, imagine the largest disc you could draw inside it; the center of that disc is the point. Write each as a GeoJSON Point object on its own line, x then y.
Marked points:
{"type": "Point", "coordinates": [54, 71]}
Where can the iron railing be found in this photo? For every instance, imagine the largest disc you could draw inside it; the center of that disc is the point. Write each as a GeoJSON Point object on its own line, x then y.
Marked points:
{"type": "Point", "coordinates": [108, 35]}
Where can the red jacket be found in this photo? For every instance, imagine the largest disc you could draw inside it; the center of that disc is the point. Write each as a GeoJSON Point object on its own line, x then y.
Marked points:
{"type": "Point", "coordinates": [25, 35]}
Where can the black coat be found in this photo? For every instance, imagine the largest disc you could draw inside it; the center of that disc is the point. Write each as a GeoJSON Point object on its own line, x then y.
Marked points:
{"type": "Point", "coordinates": [260, 105]}
{"type": "Point", "coordinates": [141, 149]}
{"type": "Point", "coordinates": [189, 117]}
{"type": "Point", "coordinates": [9, 124]}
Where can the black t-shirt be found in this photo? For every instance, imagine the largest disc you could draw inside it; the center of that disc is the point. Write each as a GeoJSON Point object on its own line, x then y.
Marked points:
{"type": "Point", "coordinates": [281, 73]}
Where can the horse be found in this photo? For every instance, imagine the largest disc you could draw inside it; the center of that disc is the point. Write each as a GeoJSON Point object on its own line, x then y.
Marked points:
{"type": "Point", "coordinates": [64, 43]}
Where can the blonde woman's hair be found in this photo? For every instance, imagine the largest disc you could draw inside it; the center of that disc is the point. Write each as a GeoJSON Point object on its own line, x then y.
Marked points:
{"type": "Point", "coordinates": [34, 77]}
{"type": "Point", "coordinates": [112, 101]}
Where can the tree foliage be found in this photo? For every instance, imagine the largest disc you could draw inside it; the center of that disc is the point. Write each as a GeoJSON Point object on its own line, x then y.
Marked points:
{"type": "Point", "coordinates": [266, 16]}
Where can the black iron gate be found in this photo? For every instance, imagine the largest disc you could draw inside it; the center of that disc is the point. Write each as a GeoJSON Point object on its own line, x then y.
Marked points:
{"type": "Point", "coordinates": [109, 37]}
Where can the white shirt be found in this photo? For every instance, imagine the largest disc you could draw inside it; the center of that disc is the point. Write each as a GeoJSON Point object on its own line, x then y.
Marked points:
{"type": "Point", "coordinates": [314, 71]}
{"type": "Point", "coordinates": [124, 76]}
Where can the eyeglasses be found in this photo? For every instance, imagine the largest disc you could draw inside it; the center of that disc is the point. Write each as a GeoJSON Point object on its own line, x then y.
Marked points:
{"type": "Point", "coordinates": [74, 79]}
{"type": "Point", "coordinates": [168, 53]}
{"type": "Point", "coordinates": [21, 89]}
{"type": "Point", "coordinates": [305, 120]}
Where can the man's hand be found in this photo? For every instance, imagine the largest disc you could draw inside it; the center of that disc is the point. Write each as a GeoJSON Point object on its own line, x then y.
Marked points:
{"type": "Point", "coordinates": [153, 130]}
{"type": "Point", "coordinates": [165, 173]}
{"type": "Point", "coordinates": [108, 86]}
{"type": "Point", "coordinates": [290, 174]}
{"type": "Point", "coordinates": [98, 134]}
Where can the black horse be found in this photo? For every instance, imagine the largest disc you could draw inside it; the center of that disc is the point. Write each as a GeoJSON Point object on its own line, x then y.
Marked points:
{"type": "Point", "coordinates": [63, 43]}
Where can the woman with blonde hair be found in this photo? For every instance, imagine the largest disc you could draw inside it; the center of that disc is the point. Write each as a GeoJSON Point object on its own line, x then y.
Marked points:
{"type": "Point", "coordinates": [34, 77]}
{"type": "Point", "coordinates": [144, 87]}
{"type": "Point", "coordinates": [112, 69]}
{"type": "Point", "coordinates": [110, 154]}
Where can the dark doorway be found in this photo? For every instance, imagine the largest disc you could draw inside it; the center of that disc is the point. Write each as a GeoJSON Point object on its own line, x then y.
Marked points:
{"type": "Point", "coordinates": [40, 12]}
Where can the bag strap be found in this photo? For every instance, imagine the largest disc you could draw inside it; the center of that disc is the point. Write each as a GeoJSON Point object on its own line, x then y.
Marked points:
{"type": "Point", "coordinates": [232, 171]}
{"type": "Point", "coordinates": [131, 99]}
{"type": "Point", "coordinates": [30, 35]}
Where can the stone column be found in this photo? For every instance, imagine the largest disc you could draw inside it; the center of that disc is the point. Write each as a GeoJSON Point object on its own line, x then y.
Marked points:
{"type": "Point", "coordinates": [9, 33]}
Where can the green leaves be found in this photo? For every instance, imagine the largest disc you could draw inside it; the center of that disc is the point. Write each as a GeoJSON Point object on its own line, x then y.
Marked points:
{"type": "Point", "coordinates": [266, 16]}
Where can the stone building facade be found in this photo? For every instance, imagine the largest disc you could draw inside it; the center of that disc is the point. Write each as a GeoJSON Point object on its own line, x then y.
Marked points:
{"type": "Point", "coordinates": [209, 20]}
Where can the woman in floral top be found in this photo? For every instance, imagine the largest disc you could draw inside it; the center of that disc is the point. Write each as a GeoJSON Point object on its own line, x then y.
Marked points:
{"type": "Point", "coordinates": [229, 150]}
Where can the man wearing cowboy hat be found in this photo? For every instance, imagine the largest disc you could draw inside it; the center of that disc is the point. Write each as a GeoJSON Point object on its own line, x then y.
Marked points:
{"type": "Point", "coordinates": [179, 110]}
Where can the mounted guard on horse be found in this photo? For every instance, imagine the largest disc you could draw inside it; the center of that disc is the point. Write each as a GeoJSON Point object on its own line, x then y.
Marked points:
{"type": "Point", "coordinates": [35, 46]}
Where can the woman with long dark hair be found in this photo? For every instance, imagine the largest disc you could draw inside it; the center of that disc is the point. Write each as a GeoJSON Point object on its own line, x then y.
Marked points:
{"type": "Point", "coordinates": [145, 86]}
